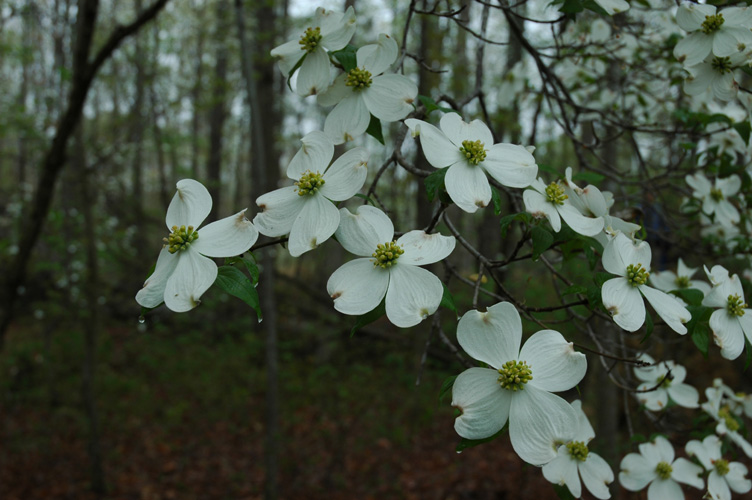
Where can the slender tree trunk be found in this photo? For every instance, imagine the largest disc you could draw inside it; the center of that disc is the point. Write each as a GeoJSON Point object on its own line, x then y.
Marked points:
{"type": "Point", "coordinates": [137, 130]}
{"type": "Point", "coordinates": [196, 95]}
{"type": "Point", "coordinates": [156, 113]}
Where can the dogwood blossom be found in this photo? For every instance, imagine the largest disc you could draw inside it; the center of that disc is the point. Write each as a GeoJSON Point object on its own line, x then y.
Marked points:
{"type": "Point", "coordinates": [724, 476]}
{"type": "Point", "coordinates": [613, 6]}
{"type": "Point", "coordinates": [306, 210]}
{"type": "Point", "coordinates": [470, 153]}
{"type": "Point", "coordinates": [715, 198]}
{"type": "Point", "coordinates": [575, 457]}
{"type": "Point", "coordinates": [721, 33]}
{"type": "Point", "coordinates": [365, 91]}
{"type": "Point", "coordinates": [622, 296]}
{"type": "Point", "coordinates": [184, 270]}
{"type": "Point", "coordinates": [329, 31]}
{"type": "Point", "coordinates": [739, 402]}
{"type": "Point", "coordinates": [727, 424]}
{"type": "Point", "coordinates": [681, 279]}
{"type": "Point", "coordinates": [655, 465]}
{"type": "Point", "coordinates": [390, 268]}
{"type": "Point", "coordinates": [553, 203]}
{"type": "Point", "coordinates": [518, 385]}
{"type": "Point", "coordinates": [666, 379]}
{"type": "Point", "coordinates": [732, 322]}
{"type": "Point", "coordinates": [714, 73]}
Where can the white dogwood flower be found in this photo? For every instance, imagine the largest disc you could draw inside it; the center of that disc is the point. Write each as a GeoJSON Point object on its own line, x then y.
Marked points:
{"type": "Point", "coordinates": [680, 280]}
{"type": "Point", "coordinates": [518, 384]}
{"type": "Point", "coordinates": [470, 153]}
{"type": "Point", "coordinates": [732, 322]}
{"type": "Point", "coordinates": [724, 476]}
{"type": "Point", "coordinates": [655, 465]}
{"type": "Point", "coordinates": [184, 270]}
{"type": "Point", "coordinates": [365, 91]}
{"type": "Point", "coordinates": [667, 381]}
{"type": "Point", "coordinates": [714, 198]}
{"type": "Point", "coordinates": [575, 457]}
{"type": "Point", "coordinates": [721, 33]}
{"type": "Point", "coordinates": [727, 424]}
{"type": "Point", "coordinates": [553, 203]}
{"type": "Point", "coordinates": [622, 296]}
{"type": "Point", "coordinates": [306, 211]}
{"type": "Point", "coordinates": [390, 268]}
{"type": "Point", "coordinates": [329, 31]}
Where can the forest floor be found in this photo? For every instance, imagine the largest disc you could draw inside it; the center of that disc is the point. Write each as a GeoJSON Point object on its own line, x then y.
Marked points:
{"type": "Point", "coordinates": [181, 416]}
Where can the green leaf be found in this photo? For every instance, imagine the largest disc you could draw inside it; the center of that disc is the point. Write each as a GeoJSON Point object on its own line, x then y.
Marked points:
{"type": "Point", "coordinates": [496, 198]}
{"type": "Point", "coordinates": [435, 182]}
{"type": "Point", "coordinates": [574, 289]}
{"type": "Point", "coordinates": [432, 105]}
{"type": "Point", "coordinates": [367, 198]}
{"type": "Point", "coordinates": [346, 57]}
{"type": "Point", "coordinates": [589, 177]}
{"type": "Point", "coordinates": [368, 318]}
{"type": "Point", "coordinates": [447, 301]}
{"type": "Point", "coordinates": [562, 492]}
{"type": "Point", "coordinates": [571, 7]}
{"type": "Point", "coordinates": [469, 443]}
{"type": "Point", "coordinates": [744, 129]}
{"type": "Point", "coordinates": [294, 69]}
{"type": "Point", "coordinates": [701, 338]}
{"type": "Point", "coordinates": [551, 170]}
{"type": "Point", "coordinates": [749, 353]}
{"type": "Point", "coordinates": [374, 129]}
{"type": "Point", "coordinates": [446, 387]}
{"type": "Point", "coordinates": [250, 265]}
{"type": "Point", "coordinates": [233, 281]}
{"type": "Point", "coordinates": [505, 221]}
{"type": "Point", "coordinates": [542, 240]}
{"type": "Point", "coordinates": [601, 278]}
{"type": "Point", "coordinates": [691, 296]}
{"type": "Point", "coordinates": [648, 326]}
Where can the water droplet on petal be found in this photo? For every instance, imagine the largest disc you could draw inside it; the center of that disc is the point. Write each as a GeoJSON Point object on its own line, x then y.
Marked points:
{"type": "Point", "coordinates": [459, 451]}
{"type": "Point", "coordinates": [260, 319]}
{"type": "Point", "coordinates": [141, 319]}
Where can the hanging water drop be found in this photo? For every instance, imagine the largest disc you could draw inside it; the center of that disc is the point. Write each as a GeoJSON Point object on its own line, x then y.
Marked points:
{"type": "Point", "coordinates": [260, 319]}
{"type": "Point", "coordinates": [141, 320]}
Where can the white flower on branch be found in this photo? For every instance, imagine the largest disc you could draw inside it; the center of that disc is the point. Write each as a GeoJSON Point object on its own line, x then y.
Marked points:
{"type": "Point", "coordinates": [724, 476]}
{"type": "Point", "coordinates": [553, 203]}
{"type": "Point", "coordinates": [667, 379]}
{"type": "Point", "coordinates": [680, 280]}
{"type": "Point", "coordinates": [714, 197]}
{"type": "Point", "coordinates": [721, 34]}
{"type": "Point", "coordinates": [732, 322]}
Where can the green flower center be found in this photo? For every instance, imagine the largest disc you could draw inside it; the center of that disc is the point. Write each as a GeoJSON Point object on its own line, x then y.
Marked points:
{"type": "Point", "coordinates": [473, 151]}
{"type": "Point", "coordinates": [712, 23]}
{"type": "Point", "coordinates": [682, 282]}
{"type": "Point", "coordinates": [310, 39]}
{"type": "Point", "coordinates": [309, 183]}
{"type": "Point", "coordinates": [721, 466]}
{"type": "Point", "coordinates": [664, 381]}
{"type": "Point", "coordinates": [386, 254]}
{"type": "Point", "coordinates": [578, 450]}
{"type": "Point", "coordinates": [716, 194]}
{"type": "Point", "coordinates": [722, 65]}
{"type": "Point", "coordinates": [180, 238]}
{"type": "Point", "coordinates": [555, 193]}
{"type": "Point", "coordinates": [513, 375]}
{"type": "Point", "coordinates": [637, 275]}
{"type": "Point", "coordinates": [359, 79]}
{"type": "Point", "coordinates": [728, 419]}
{"type": "Point", "coordinates": [735, 305]}
{"type": "Point", "coordinates": [664, 470]}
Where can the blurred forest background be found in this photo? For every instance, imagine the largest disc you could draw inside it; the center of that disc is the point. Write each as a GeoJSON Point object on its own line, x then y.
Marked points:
{"type": "Point", "coordinates": [105, 105]}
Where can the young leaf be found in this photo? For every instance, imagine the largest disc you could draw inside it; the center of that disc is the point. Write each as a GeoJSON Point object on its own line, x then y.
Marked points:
{"type": "Point", "coordinates": [469, 443]}
{"type": "Point", "coordinates": [446, 387]}
{"type": "Point", "coordinates": [744, 129]}
{"type": "Point", "coordinates": [447, 301]}
{"type": "Point", "coordinates": [374, 129]}
{"type": "Point", "coordinates": [496, 198]}
{"type": "Point", "coordinates": [542, 240]}
{"type": "Point", "coordinates": [691, 296]}
{"type": "Point", "coordinates": [368, 318]}
{"type": "Point", "coordinates": [562, 492]}
{"type": "Point", "coordinates": [701, 338]}
{"type": "Point", "coordinates": [346, 57]}
{"type": "Point", "coordinates": [431, 105]}
{"type": "Point", "coordinates": [233, 281]}
{"type": "Point", "coordinates": [435, 182]}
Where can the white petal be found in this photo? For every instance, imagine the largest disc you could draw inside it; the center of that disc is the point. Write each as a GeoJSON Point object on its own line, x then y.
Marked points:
{"type": "Point", "coordinates": [718, 488]}
{"type": "Point", "coordinates": [668, 308]}
{"type": "Point", "coordinates": [335, 35]}
{"type": "Point", "coordinates": [492, 337]}
{"type": "Point", "coordinates": [483, 403]}
{"type": "Point", "coordinates": [700, 184]}
{"type": "Point", "coordinates": [655, 400]}
{"type": "Point", "coordinates": [688, 473]}
{"type": "Point", "coordinates": [361, 232]}
{"type": "Point", "coordinates": [690, 16]}
{"type": "Point", "coordinates": [313, 75]}
{"type": "Point", "coordinates": [597, 475]}
{"type": "Point", "coordinates": [467, 186]}
{"type": "Point", "coordinates": [438, 149]}
{"type": "Point", "coordinates": [152, 294]}
{"type": "Point", "coordinates": [636, 472]}
{"type": "Point", "coordinates": [724, 43]}
{"type": "Point", "coordinates": [665, 280]}
{"type": "Point", "coordinates": [193, 275]}
{"type": "Point", "coordinates": [658, 450]}
{"type": "Point", "coordinates": [726, 214]}
{"type": "Point", "coordinates": [730, 185]}
{"type": "Point", "coordinates": [684, 395]}
{"type": "Point", "coordinates": [667, 489]}
{"type": "Point", "coordinates": [190, 205]}
{"type": "Point", "coordinates": [562, 470]}
{"type": "Point", "coordinates": [226, 237]}
{"type": "Point", "coordinates": [736, 478]}
{"type": "Point", "coordinates": [377, 57]}
{"type": "Point", "coordinates": [579, 223]}
{"type": "Point", "coordinates": [346, 175]}
{"type": "Point", "coordinates": [457, 130]}
{"type": "Point", "coordinates": [357, 286]}
{"type": "Point", "coordinates": [595, 200]}
{"type": "Point", "coordinates": [422, 249]}
{"type": "Point", "coordinates": [335, 93]}
{"type": "Point", "coordinates": [349, 119]}
{"type": "Point", "coordinates": [727, 333]}
{"type": "Point", "coordinates": [315, 224]}
{"type": "Point", "coordinates": [584, 431]}
{"type": "Point", "coordinates": [538, 420]}
{"type": "Point", "coordinates": [390, 97]}
{"type": "Point", "coordinates": [624, 302]}
{"type": "Point", "coordinates": [288, 54]}
{"type": "Point", "coordinates": [314, 155]}
{"type": "Point", "coordinates": [537, 205]}
{"type": "Point", "coordinates": [556, 366]}
{"type": "Point", "coordinates": [510, 165]}
{"type": "Point", "coordinates": [621, 252]}
{"type": "Point", "coordinates": [701, 452]}
{"type": "Point", "coordinates": [413, 295]}
{"type": "Point", "coordinates": [280, 209]}
{"type": "Point", "coordinates": [693, 49]}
